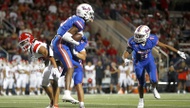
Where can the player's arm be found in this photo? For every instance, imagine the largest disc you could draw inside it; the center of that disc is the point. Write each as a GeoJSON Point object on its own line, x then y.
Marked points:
{"type": "Point", "coordinates": [115, 70]}
{"type": "Point", "coordinates": [26, 72]}
{"type": "Point", "coordinates": [126, 53]}
{"type": "Point", "coordinates": [68, 35]}
{"type": "Point", "coordinates": [82, 55]}
{"type": "Point", "coordinates": [42, 50]}
{"type": "Point", "coordinates": [165, 46]}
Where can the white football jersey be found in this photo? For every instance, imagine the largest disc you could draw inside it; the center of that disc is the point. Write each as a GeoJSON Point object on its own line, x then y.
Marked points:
{"type": "Point", "coordinates": [8, 72]}
{"type": "Point", "coordinates": [123, 70]}
{"type": "Point", "coordinates": [2, 67]}
{"type": "Point", "coordinates": [35, 48]}
{"type": "Point", "coordinates": [21, 68]}
{"type": "Point", "coordinates": [90, 70]}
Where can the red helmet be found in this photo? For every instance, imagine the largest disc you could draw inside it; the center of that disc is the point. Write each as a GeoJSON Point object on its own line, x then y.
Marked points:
{"type": "Point", "coordinates": [25, 40]}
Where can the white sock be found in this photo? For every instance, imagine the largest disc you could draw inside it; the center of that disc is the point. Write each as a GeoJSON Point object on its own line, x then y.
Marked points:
{"type": "Point", "coordinates": [39, 92]}
{"type": "Point", "coordinates": [67, 92]}
{"type": "Point", "coordinates": [18, 93]}
{"type": "Point", "coordinates": [81, 104]}
{"type": "Point", "coordinates": [154, 89]}
{"type": "Point", "coordinates": [141, 99]}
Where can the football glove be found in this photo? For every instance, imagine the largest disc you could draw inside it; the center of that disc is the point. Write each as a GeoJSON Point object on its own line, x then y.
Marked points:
{"type": "Point", "coordinates": [181, 54]}
{"type": "Point", "coordinates": [75, 52]}
{"type": "Point", "coordinates": [84, 39]}
{"type": "Point", "coordinates": [55, 73]}
{"type": "Point", "coordinates": [80, 47]}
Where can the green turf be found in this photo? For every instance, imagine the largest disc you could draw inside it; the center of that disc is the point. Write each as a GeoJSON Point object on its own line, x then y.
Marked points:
{"type": "Point", "coordinates": [100, 101]}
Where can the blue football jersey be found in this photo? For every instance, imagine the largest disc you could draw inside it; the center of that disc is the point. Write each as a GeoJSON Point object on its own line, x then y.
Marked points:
{"type": "Point", "coordinates": [67, 24]}
{"type": "Point", "coordinates": [140, 52]}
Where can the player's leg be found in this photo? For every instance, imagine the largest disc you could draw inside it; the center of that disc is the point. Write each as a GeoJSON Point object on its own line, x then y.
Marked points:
{"type": "Point", "coordinates": [111, 85]}
{"type": "Point", "coordinates": [184, 86]}
{"type": "Point", "coordinates": [1, 86]}
{"type": "Point", "coordinates": [11, 82]}
{"type": "Point", "coordinates": [61, 84]}
{"type": "Point", "coordinates": [55, 90]}
{"type": "Point", "coordinates": [140, 76]}
{"type": "Point", "coordinates": [120, 85]}
{"type": "Point", "coordinates": [131, 84]}
{"type": "Point", "coordinates": [5, 85]}
{"type": "Point", "coordinates": [23, 84]}
{"type": "Point", "coordinates": [55, 93]}
{"type": "Point", "coordinates": [152, 71]}
{"type": "Point", "coordinates": [45, 83]}
{"type": "Point", "coordinates": [62, 52]}
{"type": "Point", "coordinates": [100, 86]}
{"type": "Point", "coordinates": [32, 84]}
{"type": "Point", "coordinates": [127, 84]}
{"type": "Point", "coordinates": [18, 85]}
{"type": "Point", "coordinates": [78, 76]}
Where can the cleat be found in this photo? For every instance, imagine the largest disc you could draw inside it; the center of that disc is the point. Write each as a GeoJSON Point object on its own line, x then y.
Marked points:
{"type": "Point", "coordinates": [75, 102]}
{"type": "Point", "coordinates": [140, 104]}
{"type": "Point", "coordinates": [9, 94]}
{"type": "Point", "coordinates": [68, 98]}
{"type": "Point", "coordinates": [49, 106]}
{"type": "Point", "coordinates": [178, 92]}
{"type": "Point", "coordinates": [55, 106]}
{"type": "Point", "coordinates": [184, 92]}
{"type": "Point", "coordinates": [156, 94]}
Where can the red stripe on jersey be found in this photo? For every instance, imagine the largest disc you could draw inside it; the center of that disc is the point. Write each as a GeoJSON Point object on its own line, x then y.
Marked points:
{"type": "Point", "coordinates": [35, 47]}
{"type": "Point", "coordinates": [65, 55]}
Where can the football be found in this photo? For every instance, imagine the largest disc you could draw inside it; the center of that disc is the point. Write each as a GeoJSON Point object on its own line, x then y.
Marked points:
{"type": "Point", "coordinates": [77, 37]}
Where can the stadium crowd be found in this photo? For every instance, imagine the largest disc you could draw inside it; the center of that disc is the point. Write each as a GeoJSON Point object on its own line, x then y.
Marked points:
{"type": "Point", "coordinates": [42, 18]}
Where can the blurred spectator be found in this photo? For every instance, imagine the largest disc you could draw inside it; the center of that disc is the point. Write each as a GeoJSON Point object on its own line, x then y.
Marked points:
{"type": "Point", "coordinates": [53, 8]}
{"type": "Point", "coordinates": [87, 32]}
{"type": "Point", "coordinates": [107, 71]}
{"type": "Point", "coordinates": [101, 50]}
{"type": "Point", "coordinates": [105, 42]}
{"type": "Point", "coordinates": [2, 14]}
{"type": "Point", "coordinates": [172, 77]}
{"type": "Point", "coordinates": [2, 31]}
{"type": "Point", "coordinates": [99, 76]}
{"type": "Point", "coordinates": [182, 77]}
{"type": "Point", "coordinates": [111, 51]}
{"type": "Point", "coordinates": [114, 77]}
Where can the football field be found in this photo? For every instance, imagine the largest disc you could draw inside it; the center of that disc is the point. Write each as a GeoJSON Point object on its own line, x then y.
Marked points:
{"type": "Point", "coordinates": [101, 101]}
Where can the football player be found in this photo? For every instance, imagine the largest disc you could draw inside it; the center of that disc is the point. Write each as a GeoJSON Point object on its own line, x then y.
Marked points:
{"type": "Point", "coordinates": [2, 74]}
{"type": "Point", "coordinates": [51, 74]}
{"type": "Point", "coordinates": [141, 45]}
{"type": "Point", "coordinates": [79, 54]}
{"type": "Point", "coordinates": [22, 78]}
{"type": "Point", "coordinates": [91, 77]}
{"type": "Point", "coordinates": [9, 79]}
{"type": "Point", "coordinates": [123, 69]}
{"type": "Point", "coordinates": [63, 39]}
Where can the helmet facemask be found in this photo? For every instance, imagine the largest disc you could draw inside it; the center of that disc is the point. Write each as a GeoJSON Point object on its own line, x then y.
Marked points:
{"type": "Point", "coordinates": [25, 44]}
{"type": "Point", "coordinates": [25, 41]}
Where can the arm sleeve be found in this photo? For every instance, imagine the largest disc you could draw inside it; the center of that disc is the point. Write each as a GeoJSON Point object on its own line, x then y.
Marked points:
{"type": "Point", "coordinates": [129, 48]}
{"type": "Point", "coordinates": [68, 37]}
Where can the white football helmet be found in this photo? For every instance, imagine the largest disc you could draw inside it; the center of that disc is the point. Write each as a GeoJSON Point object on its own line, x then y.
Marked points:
{"type": "Point", "coordinates": [85, 11]}
{"type": "Point", "coordinates": [141, 33]}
